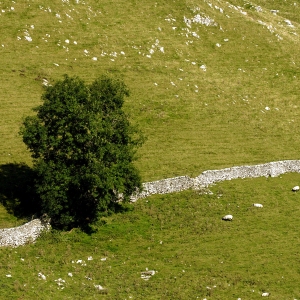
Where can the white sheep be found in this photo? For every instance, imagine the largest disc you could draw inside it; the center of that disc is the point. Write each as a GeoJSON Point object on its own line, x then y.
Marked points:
{"type": "Point", "coordinates": [257, 205]}
{"type": "Point", "coordinates": [265, 294]}
{"type": "Point", "coordinates": [295, 188]}
{"type": "Point", "coordinates": [227, 218]}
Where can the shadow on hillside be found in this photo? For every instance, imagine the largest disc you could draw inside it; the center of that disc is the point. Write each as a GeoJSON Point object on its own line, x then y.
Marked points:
{"type": "Point", "coordinates": [16, 193]}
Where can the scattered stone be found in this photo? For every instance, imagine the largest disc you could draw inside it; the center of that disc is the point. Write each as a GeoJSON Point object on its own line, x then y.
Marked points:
{"type": "Point", "coordinates": [42, 276]}
{"type": "Point", "coordinates": [227, 218]}
{"type": "Point", "coordinates": [274, 11]}
{"type": "Point", "coordinates": [288, 23]}
{"type": "Point", "coordinates": [146, 275]}
{"type": "Point", "coordinates": [60, 282]}
{"type": "Point", "coordinates": [100, 288]}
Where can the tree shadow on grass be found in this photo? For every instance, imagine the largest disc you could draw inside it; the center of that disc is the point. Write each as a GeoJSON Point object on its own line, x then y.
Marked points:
{"type": "Point", "coordinates": [16, 190]}
{"type": "Point", "coordinates": [18, 197]}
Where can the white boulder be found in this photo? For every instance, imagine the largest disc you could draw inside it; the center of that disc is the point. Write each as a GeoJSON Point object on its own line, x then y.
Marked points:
{"type": "Point", "coordinates": [227, 218]}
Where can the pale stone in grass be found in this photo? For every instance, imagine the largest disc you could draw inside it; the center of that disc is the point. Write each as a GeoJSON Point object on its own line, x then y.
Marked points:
{"type": "Point", "coordinates": [203, 67]}
{"type": "Point", "coordinates": [100, 288]}
{"type": "Point", "coordinates": [274, 11]}
{"type": "Point", "coordinates": [288, 23]}
{"type": "Point", "coordinates": [296, 188]}
{"type": "Point", "coordinates": [28, 38]}
{"type": "Point", "coordinates": [227, 218]}
{"type": "Point", "coordinates": [42, 276]}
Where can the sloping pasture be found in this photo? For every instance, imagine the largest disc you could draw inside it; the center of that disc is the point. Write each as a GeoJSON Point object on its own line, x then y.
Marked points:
{"type": "Point", "coordinates": [213, 84]}
{"type": "Point", "coordinates": [182, 238]}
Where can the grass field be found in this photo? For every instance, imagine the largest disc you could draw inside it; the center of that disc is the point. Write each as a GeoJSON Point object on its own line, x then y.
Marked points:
{"type": "Point", "coordinates": [183, 239]}
{"type": "Point", "coordinates": [213, 84]}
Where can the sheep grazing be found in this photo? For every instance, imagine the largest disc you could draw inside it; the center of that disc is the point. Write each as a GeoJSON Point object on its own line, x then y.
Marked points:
{"type": "Point", "coordinates": [227, 218]}
{"type": "Point", "coordinates": [295, 188]}
{"type": "Point", "coordinates": [265, 294]}
{"type": "Point", "coordinates": [257, 205]}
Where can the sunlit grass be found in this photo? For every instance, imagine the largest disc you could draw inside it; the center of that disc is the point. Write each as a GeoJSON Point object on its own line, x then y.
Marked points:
{"type": "Point", "coordinates": [183, 239]}
{"type": "Point", "coordinates": [181, 108]}
{"type": "Point", "coordinates": [215, 97]}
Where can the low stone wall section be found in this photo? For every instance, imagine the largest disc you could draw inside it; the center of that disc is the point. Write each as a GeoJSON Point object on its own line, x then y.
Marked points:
{"type": "Point", "coordinates": [272, 169]}
{"type": "Point", "coordinates": [29, 232]}
{"type": "Point", "coordinates": [165, 186]}
{"type": "Point", "coordinates": [209, 177]}
{"type": "Point", "coordinates": [24, 234]}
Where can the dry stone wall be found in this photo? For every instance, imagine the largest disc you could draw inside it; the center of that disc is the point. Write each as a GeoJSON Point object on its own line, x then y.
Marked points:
{"type": "Point", "coordinates": [29, 232]}
{"type": "Point", "coordinates": [23, 234]}
{"type": "Point", "coordinates": [209, 177]}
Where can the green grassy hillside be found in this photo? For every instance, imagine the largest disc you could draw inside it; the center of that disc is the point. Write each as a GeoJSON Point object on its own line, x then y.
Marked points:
{"type": "Point", "coordinates": [195, 255]}
{"type": "Point", "coordinates": [213, 84]}
{"type": "Point", "coordinates": [199, 91]}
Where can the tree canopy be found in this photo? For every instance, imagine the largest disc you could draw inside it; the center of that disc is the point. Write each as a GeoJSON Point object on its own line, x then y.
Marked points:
{"type": "Point", "coordinates": [83, 147]}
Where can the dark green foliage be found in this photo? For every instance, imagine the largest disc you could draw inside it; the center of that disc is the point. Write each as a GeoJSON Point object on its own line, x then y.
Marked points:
{"type": "Point", "coordinates": [83, 147]}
